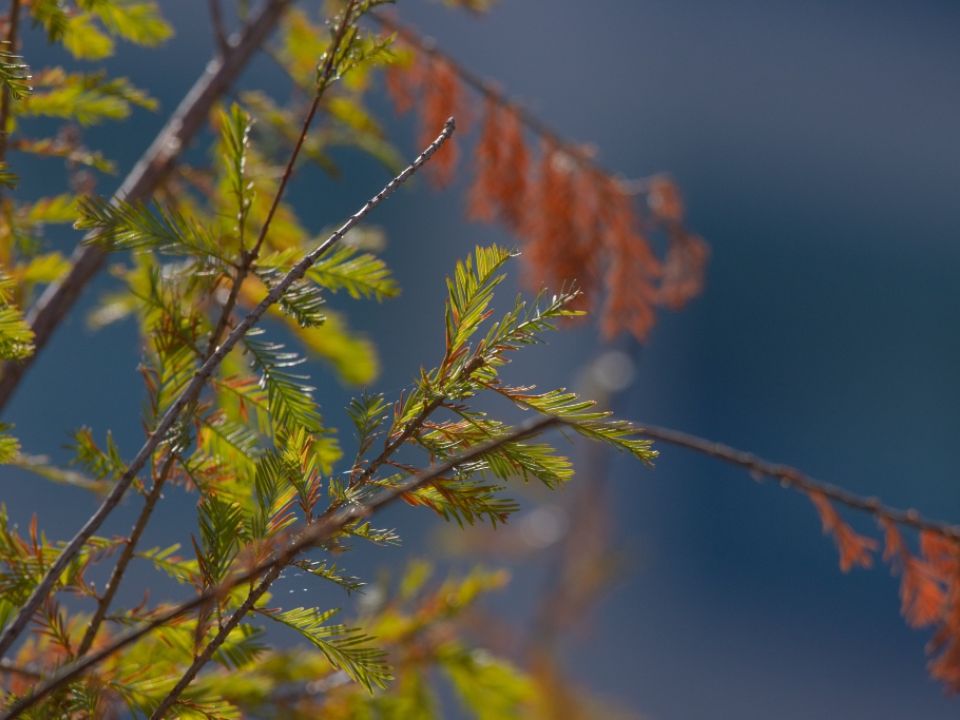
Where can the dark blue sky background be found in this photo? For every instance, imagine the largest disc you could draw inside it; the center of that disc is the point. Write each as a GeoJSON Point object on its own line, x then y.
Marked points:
{"type": "Point", "coordinates": [816, 145]}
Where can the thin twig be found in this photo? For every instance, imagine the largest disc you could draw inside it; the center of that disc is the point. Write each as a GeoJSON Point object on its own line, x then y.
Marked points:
{"type": "Point", "coordinates": [390, 446]}
{"type": "Point", "coordinates": [325, 77]}
{"type": "Point", "coordinates": [8, 667]}
{"type": "Point", "coordinates": [219, 29]}
{"type": "Point", "coordinates": [383, 458]}
{"type": "Point", "coordinates": [192, 391]}
{"type": "Point", "coordinates": [145, 177]}
{"type": "Point", "coordinates": [250, 257]}
{"type": "Point", "coordinates": [288, 547]}
{"type": "Point", "coordinates": [796, 480]}
{"type": "Point", "coordinates": [204, 657]}
{"type": "Point", "coordinates": [13, 24]}
{"type": "Point", "coordinates": [129, 548]}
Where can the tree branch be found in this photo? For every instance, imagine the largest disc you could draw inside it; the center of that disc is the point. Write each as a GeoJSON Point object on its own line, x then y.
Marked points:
{"type": "Point", "coordinates": [129, 548]}
{"type": "Point", "coordinates": [414, 426]}
{"type": "Point", "coordinates": [250, 257]}
{"type": "Point", "coordinates": [389, 449]}
{"type": "Point", "coordinates": [192, 391]}
{"type": "Point", "coordinates": [247, 262]}
{"type": "Point", "coordinates": [8, 667]}
{"type": "Point", "coordinates": [145, 177]}
{"type": "Point", "coordinates": [289, 545]}
{"type": "Point", "coordinates": [219, 30]}
{"type": "Point", "coordinates": [204, 657]}
{"type": "Point", "coordinates": [796, 480]}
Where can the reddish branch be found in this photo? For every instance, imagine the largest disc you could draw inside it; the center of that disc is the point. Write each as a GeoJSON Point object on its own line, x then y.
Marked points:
{"type": "Point", "coordinates": [577, 221]}
{"type": "Point", "coordinates": [929, 579]}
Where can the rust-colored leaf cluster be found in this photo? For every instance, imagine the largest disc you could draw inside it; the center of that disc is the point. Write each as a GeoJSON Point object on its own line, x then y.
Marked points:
{"type": "Point", "coordinates": [929, 581]}
{"type": "Point", "coordinates": [855, 550]}
{"type": "Point", "coordinates": [922, 598]}
{"type": "Point", "coordinates": [432, 87]}
{"type": "Point", "coordinates": [577, 222]}
{"type": "Point", "coordinates": [942, 557]}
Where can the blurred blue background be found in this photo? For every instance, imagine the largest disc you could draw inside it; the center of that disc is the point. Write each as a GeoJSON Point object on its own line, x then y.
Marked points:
{"type": "Point", "coordinates": [816, 145]}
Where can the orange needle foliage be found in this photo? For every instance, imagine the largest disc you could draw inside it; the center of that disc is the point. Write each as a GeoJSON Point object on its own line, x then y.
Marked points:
{"type": "Point", "coordinates": [855, 549]}
{"type": "Point", "coordinates": [921, 596]}
{"type": "Point", "coordinates": [577, 222]}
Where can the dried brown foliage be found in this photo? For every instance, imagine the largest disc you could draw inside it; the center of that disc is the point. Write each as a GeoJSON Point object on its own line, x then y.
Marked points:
{"type": "Point", "coordinates": [577, 222]}
{"type": "Point", "coordinates": [929, 581]}
{"type": "Point", "coordinates": [855, 549]}
{"type": "Point", "coordinates": [433, 87]}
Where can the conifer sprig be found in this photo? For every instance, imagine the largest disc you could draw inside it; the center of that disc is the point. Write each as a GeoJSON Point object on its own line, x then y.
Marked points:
{"type": "Point", "coordinates": [348, 649]}
{"type": "Point", "coordinates": [127, 554]}
{"type": "Point", "coordinates": [287, 547]}
{"type": "Point", "coordinates": [14, 73]}
{"type": "Point", "coordinates": [122, 225]}
{"type": "Point", "coordinates": [192, 391]}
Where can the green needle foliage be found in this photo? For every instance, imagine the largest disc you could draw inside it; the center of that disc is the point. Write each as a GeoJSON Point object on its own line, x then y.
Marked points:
{"type": "Point", "coordinates": [250, 443]}
{"type": "Point", "coordinates": [14, 73]}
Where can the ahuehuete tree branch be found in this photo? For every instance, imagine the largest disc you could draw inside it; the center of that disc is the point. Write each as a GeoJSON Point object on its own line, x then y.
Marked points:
{"type": "Point", "coordinates": [145, 177]}
{"type": "Point", "coordinates": [203, 658]}
{"type": "Point", "coordinates": [794, 479]}
{"type": "Point", "coordinates": [287, 547]}
{"type": "Point", "coordinates": [325, 76]}
{"type": "Point", "coordinates": [126, 555]}
{"type": "Point", "coordinates": [192, 391]}
{"type": "Point", "coordinates": [247, 261]}
{"type": "Point", "coordinates": [411, 428]}
{"type": "Point", "coordinates": [264, 585]}
{"type": "Point", "coordinates": [9, 668]}
{"type": "Point", "coordinates": [489, 90]}
{"type": "Point", "coordinates": [136, 532]}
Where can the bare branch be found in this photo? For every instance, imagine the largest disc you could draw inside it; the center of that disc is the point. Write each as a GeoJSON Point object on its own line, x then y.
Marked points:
{"type": "Point", "coordinates": [792, 478]}
{"type": "Point", "coordinates": [193, 389]}
{"type": "Point", "coordinates": [145, 177]}
{"type": "Point", "coordinates": [219, 30]}
{"type": "Point", "coordinates": [129, 548]}
{"type": "Point", "coordinates": [8, 667]}
{"type": "Point", "coordinates": [288, 546]}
